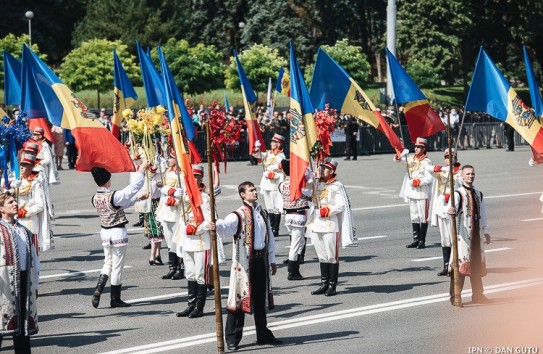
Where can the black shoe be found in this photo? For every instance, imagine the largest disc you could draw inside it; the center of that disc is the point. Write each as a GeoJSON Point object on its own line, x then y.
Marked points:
{"type": "Point", "coordinates": [158, 261]}
{"type": "Point", "coordinates": [421, 245]}
{"type": "Point", "coordinates": [232, 347]}
{"type": "Point", "coordinates": [413, 244]}
{"type": "Point", "coordinates": [186, 312]}
{"type": "Point", "coordinates": [196, 313]}
{"type": "Point", "coordinates": [138, 224]}
{"type": "Point", "coordinates": [285, 261]}
{"type": "Point", "coordinates": [444, 272]}
{"type": "Point", "coordinates": [151, 262]}
{"type": "Point", "coordinates": [146, 247]}
{"type": "Point", "coordinates": [273, 341]}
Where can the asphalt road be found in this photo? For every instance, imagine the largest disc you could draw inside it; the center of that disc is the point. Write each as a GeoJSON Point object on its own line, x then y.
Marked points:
{"type": "Point", "coordinates": [390, 299]}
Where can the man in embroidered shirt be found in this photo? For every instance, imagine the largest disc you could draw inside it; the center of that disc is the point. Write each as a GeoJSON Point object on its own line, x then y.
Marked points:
{"type": "Point", "coordinates": [253, 260]}
{"type": "Point", "coordinates": [110, 206]}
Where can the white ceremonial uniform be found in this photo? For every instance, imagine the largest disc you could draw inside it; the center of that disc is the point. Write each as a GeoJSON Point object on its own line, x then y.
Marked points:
{"type": "Point", "coordinates": [31, 200]}
{"type": "Point", "coordinates": [269, 186]}
{"type": "Point", "coordinates": [417, 197]}
{"type": "Point", "coordinates": [168, 215]}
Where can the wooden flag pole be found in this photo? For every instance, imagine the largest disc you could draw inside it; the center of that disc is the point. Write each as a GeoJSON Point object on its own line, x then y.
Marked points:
{"type": "Point", "coordinates": [403, 140]}
{"type": "Point", "coordinates": [456, 271]}
{"type": "Point", "coordinates": [216, 277]}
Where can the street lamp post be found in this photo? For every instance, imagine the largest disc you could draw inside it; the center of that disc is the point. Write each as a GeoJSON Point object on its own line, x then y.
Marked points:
{"type": "Point", "coordinates": [241, 25]}
{"type": "Point", "coordinates": [29, 16]}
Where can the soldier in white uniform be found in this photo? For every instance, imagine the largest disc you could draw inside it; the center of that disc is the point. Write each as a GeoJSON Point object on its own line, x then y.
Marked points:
{"type": "Point", "coordinates": [196, 245]}
{"type": "Point", "coordinates": [110, 206]}
{"type": "Point", "coordinates": [271, 177]}
{"type": "Point", "coordinates": [441, 194]}
{"type": "Point", "coordinates": [329, 223]}
{"type": "Point", "coordinates": [416, 190]}
{"type": "Point", "coordinates": [168, 212]}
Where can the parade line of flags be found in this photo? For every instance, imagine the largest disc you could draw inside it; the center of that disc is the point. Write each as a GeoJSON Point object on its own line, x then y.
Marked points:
{"type": "Point", "coordinates": [45, 100]}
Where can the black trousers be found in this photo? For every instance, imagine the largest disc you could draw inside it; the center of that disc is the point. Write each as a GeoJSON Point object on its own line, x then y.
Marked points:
{"type": "Point", "coordinates": [235, 320]}
{"type": "Point", "coordinates": [71, 153]}
{"type": "Point", "coordinates": [352, 147]}
{"type": "Point", "coordinates": [21, 343]}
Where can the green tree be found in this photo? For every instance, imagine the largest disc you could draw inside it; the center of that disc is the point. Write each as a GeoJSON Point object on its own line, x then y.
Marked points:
{"type": "Point", "coordinates": [14, 46]}
{"type": "Point", "coordinates": [351, 58]}
{"type": "Point", "coordinates": [260, 62]}
{"type": "Point", "coordinates": [430, 33]}
{"type": "Point", "coordinates": [196, 69]}
{"type": "Point", "coordinates": [90, 67]}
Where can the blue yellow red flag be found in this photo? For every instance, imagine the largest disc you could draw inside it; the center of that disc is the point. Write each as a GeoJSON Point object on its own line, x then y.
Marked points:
{"type": "Point", "coordinates": [45, 95]}
{"type": "Point", "coordinates": [535, 94]}
{"type": "Point", "coordinates": [283, 83]}
{"type": "Point", "coordinates": [152, 81]}
{"type": "Point", "coordinates": [303, 132]}
{"type": "Point", "coordinates": [176, 110]}
{"type": "Point", "coordinates": [124, 94]}
{"type": "Point", "coordinates": [490, 92]}
{"type": "Point", "coordinates": [12, 80]}
{"type": "Point", "coordinates": [422, 120]}
{"type": "Point", "coordinates": [332, 85]}
{"type": "Point", "coordinates": [249, 101]}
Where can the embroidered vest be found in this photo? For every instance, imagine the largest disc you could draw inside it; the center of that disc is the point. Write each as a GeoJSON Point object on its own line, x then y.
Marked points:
{"type": "Point", "coordinates": [300, 203]}
{"type": "Point", "coordinates": [110, 216]}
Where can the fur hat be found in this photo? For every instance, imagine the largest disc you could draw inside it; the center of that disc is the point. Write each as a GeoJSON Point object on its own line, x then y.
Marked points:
{"type": "Point", "coordinates": [101, 175]}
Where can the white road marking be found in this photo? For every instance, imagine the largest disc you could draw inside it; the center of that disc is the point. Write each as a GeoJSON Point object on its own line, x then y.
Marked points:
{"type": "Point", "coordinates": [486, 251]}
{"type": "Point", "coordinates": [74, 273]}
{"type": "Point", "coordinates": [536, 219]}
{"type": "Point", "coordinates": [324, 317]}
{"type": "Point", "coordinates": [161, 297]}
{"type": "Point", "coordinates": [371, 237]}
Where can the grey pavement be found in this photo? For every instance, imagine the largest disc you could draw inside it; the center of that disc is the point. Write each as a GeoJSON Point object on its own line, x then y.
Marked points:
{"type": "Point", "coordinates": [388, 302]}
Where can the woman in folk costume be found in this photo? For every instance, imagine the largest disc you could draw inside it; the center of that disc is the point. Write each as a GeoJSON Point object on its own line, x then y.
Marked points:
{"type": "Point", "coordinates": [168, 213]}
{"type": "Point", "coordinates": [19, 275]}
{"type": "Point", "coordinates": [330, 223]}
{"type": "Point", "coordinates": [253, 261]}
{"type": "Point", "coordinates": [271, 177]}
{"type": "Point", "coordinates": [470, 211]}
{"type": "Point", "coordinates": [441, 193]}
{"type": "Point", "coordinates": [149, 197]}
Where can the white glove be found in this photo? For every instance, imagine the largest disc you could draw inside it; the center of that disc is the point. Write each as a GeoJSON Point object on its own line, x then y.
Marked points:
{"type": "Point", "coordinates": [445, 169]}
{"type": "Point", "coordinates": [309, 175]}
{"type": "Point", "coordinates": [178, 193]}
{"type": "Point", "coordinates": [531, 162]}
{"type": "Point", "coordinates": [15, 183]}
{"type": "Point", "coordinates": [404, 153]}
{"type": "Point", "coordinates": [257, 144]}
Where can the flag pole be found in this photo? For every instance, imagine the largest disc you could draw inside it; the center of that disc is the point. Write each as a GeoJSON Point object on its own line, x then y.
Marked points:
{"type": "Point", "coordinates": [403, 140]}
{"type": "Point", "coordinates": [313, 185]}
{"type": "Point", "coordinates": [459, 130]}
{"type": "Point", "coordinates": [216, 276]}
{"type": "Point", "coordinates": [178, 168]}
{"type": "Point", "coordinates": [456, 271]}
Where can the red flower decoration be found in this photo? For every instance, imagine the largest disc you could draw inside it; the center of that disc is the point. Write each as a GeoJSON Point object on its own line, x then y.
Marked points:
{"type": "Point", "coordinates": [325, 122]}
{"type": "Point", "coordinates": [224, 133]}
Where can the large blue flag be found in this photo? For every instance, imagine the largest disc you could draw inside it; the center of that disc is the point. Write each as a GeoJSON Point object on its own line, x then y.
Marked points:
{"type": "Point", "coordinates": [535, 94]}
{"type": "Point", "coordinates": [175, 103]}
{"type": "Point", "coordinates": [490, 92]}
{"type": "Point", "coordinates": [422, 120]}
{"type": "Point", "coordinates": [152, 81]}
{"type": "Point", "coordinates": [124, 94]}
{"type": "Point", "coordinates": [12, 80]}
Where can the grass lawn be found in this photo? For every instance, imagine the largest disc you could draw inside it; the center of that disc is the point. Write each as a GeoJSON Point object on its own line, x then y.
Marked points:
{"type": "Point", "coordinates": [449, 96]}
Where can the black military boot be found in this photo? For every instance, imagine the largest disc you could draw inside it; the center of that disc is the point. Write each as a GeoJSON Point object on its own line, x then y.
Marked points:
{"type": "Point", "coordinates": [292, 273]}
{"type": "Point", "coordinates": [276, 225]}
{"type": "Point", "coordinates": [422, 236]}
{"type": "Point", "coordinates": [180, 271]}
{"type": "Point", "coordinates": [325, 278]}
{"type": "Point", "coordinates": [446, 256]}
{"type": "Point", "coordinates": [271, 217]}
{"type": "Point", "coordinates": [334, 272]}
{"type": "Point", "coordinates": [201, 292]}
{"type": "Point", "coordinates": [102, 280]}
{"type": "Point", "coordinates": [116, 297]}
{"type": "Point", "coordinates": [172, 257]}
{"type": "Point", "coordinates": [301, 257]}
{"type": "Point", "coordinates": [416, 232]}
{"type": "Point", "coordinates": [191, 285]}
{"type": "Point", "coordinates": [298, 268]}
{"type": "Point", "coordinates": [140, 221]}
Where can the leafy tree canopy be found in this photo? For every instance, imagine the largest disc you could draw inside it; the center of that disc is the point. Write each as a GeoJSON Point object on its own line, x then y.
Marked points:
{"type": "Point", "coordinates": [14, 46]}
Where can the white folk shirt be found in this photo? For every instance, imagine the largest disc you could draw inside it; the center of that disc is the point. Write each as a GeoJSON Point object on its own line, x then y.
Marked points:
{"type": "Point", "coordinates": [229, 226]}
{"type": "Point", "coordinates": [329, 196]}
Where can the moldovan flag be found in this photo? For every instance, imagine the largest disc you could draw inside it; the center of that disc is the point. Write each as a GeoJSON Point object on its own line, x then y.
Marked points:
{"type": "Point", "coordinates": [283, 83]}
{"type": "Point", "coordinates": [491, 93]}
{"type": "Point", "coordinates": [44, 95]}
{"type": "Point", "coordinates": [303, 132]}
{"type": "Point", "coordinates": [249, 101]}
{"type": "Point", "coordinates": [12, 80]}
{"type": "Point", "coordinates": [332, 85]}
{"type": "Point", "coordinates": [177, 109]}
{"type": "Point", "coordinates": [124, 94]}
{"type": "Point", "coordinates": [535, 96]}
{"type": "Point", "coordinates": [422, 120]}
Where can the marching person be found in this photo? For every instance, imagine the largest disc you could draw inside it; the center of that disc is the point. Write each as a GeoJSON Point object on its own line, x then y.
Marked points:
{"type": "Point", "coordinates": [45, 156]}
{"type": "Point", "coordinates": [196, 246]}
{"type": "Point", "coordinates": [271, 178]}
{"type": "Point", "coordinates": [19, 274]}
{"type": "Point", "coordinates": [441, 193]}
{"type": "Point", "coordinates": [168, 212]}
{"type": "Point", "coordinates": [295, 219]}
{"type": "Point", "coordinates": [470, 211]}
{"type": "Point", "coordinates": [329, 223]}
{"type": "Point", "coordinates": [110, 206]}
{"type": "Point", "coordinates": [253, 259]}
{"type": "Point", "coordinates": [416, 189]}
